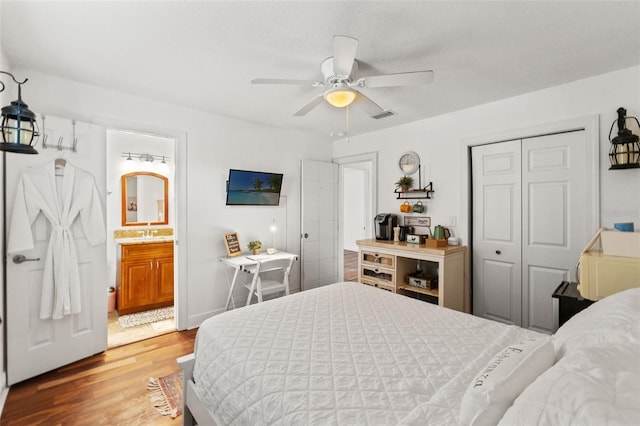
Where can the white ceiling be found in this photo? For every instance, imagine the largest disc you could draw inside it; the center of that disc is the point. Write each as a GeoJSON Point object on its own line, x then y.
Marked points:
{"type": "Point", "coordinates": [204, 54]}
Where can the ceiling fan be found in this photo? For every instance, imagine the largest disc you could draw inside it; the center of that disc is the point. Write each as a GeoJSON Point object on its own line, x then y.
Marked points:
{"type": "Point", "coordinates": [339, 73]}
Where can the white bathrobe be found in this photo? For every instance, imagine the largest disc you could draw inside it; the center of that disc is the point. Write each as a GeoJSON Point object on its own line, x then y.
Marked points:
{"type": "Point", "coordinates": [61, 200]}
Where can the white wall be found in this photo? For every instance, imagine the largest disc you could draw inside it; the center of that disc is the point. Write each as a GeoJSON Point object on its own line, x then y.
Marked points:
{"type": "Point", "coordinates": [438, 143]}
{"type": "Point", "coordinates": [354, 181]}
{"type": "Point", "coordinates": [207, 146]}
{"type": "Point", "coordinates": [118, 142]}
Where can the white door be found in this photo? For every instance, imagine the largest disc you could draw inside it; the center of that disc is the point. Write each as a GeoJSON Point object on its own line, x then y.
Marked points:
{"type": "Point", "coordinates": [554, 192]}
{"type": "Point", "coordinates": [35, 346]}
{"type": "Point", "coordinates": [496, 232]}
{"type": "Point", "coordinates": [319, 224]}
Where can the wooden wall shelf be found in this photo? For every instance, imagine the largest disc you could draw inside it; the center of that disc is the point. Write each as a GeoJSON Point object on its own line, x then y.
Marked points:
{"type": "Point", "coordinates": [415, 194]}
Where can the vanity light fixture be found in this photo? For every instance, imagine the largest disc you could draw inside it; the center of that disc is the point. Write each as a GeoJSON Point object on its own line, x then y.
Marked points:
{"type": "Point", "coordinates": [625, 148]}
{"type": "Point", "coordinates": [145, 157]}
{"type": "Point", "coordinates": [163, 167]}
{"type": "Point", "coordinates": [19, 126]}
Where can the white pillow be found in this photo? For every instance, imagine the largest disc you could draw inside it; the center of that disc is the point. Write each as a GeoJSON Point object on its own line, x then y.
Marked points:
{"type": "Point", "coordinates": [614, 319]}
{"type": "Point", "coordinates": [497, 385]}
{"type": "Point", "coordinates": [596, 385]}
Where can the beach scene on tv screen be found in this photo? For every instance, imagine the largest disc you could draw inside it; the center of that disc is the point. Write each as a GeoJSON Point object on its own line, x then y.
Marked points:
{"type": "Point", "coordinates": [254, 188]}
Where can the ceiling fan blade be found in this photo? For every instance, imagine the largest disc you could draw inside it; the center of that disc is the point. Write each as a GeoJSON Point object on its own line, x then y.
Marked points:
{"type": "Point", "coordinates": [344, 53]}
{"type": "Point", "coordinates": [400, 79]}
{"type": "Point", "coordinates": [309, 106]}
{"type": "Point", "coordinates": [367, 105]}
{"type": "Point", "coordinates": [287, 81]}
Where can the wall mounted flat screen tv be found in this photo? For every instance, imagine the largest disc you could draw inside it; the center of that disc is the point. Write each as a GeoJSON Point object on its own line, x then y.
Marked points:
{"type": "Point", "coordinates": [247, 188]}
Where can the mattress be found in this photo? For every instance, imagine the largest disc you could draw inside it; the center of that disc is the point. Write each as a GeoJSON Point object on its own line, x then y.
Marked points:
{"type": "Point", "coordinates": [343, 354]}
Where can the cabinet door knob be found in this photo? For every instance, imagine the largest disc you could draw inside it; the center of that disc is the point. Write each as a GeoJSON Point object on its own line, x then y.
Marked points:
{"type": "Point", "coordinates": [498, 252]}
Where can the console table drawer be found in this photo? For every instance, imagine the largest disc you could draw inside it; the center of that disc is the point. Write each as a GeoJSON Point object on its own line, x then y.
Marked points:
{"type": "Point", "coordinates": [379, 259]}
{"type": "Point", "coordinates": [378, 284]}
{"type": "Point", "coordinates": [382, 276]}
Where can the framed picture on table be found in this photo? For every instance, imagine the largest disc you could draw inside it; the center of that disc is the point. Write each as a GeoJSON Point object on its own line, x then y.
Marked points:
{"type": "Point", "coordinates": [232, 244]}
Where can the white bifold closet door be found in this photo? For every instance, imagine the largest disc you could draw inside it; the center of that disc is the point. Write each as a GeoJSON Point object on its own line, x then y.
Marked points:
{"type": "Point", "coordinates": [529, 225]}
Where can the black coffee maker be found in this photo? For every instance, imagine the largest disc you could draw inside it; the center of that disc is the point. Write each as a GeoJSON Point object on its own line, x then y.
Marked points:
{"type": "Point", "coordinates": [384, 223]}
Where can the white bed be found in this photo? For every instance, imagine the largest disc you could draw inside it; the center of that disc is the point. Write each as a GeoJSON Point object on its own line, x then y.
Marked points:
{"type": "Point", "coordinates": [355, 355]}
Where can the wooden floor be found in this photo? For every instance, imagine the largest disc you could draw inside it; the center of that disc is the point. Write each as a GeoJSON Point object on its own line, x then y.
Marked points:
{"type": "Point", "coordinates": [350, 265]}
{"type": "Point", "coordinates": [118, 336]}
{"type": "Point", "coordinates": [105, 389]}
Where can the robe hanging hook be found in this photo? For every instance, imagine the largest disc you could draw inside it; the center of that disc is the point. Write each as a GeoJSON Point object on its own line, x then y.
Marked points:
{"type": "Point", "coordinates": [44, 133]}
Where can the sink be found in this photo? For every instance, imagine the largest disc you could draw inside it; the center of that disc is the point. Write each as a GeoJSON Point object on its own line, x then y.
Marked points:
{"type": "Point", "coordinates": [144, 240]}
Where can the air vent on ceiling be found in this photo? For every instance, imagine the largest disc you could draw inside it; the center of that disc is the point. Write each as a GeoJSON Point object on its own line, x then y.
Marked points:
{"type": "Point", "coordinates": [383, 114]}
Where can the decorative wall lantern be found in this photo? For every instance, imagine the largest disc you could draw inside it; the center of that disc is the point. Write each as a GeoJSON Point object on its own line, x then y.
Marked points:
{"type": "Point", "coordinates": [19, 126]}
{"type": "Point", "coordinates": [625, 148]}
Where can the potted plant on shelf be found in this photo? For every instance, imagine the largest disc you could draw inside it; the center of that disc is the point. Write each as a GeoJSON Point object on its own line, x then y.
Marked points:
{"type": "Point", "coordinates": [255, 246]}
{"type": "Point", "coordinates": [404, 183]}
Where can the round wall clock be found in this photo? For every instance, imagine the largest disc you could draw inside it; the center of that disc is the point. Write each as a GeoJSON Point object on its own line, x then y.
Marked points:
{"type": "Point", "coordinates": [409, 162]}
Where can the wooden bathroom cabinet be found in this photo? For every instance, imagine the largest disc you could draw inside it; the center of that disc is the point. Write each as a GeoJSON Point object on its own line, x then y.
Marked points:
{"type": "Point", "coordinates": [145, 276]}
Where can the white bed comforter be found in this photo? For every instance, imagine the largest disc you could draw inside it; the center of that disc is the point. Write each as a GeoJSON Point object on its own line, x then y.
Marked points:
{"type": "Point", "coordinates": [345, 354]}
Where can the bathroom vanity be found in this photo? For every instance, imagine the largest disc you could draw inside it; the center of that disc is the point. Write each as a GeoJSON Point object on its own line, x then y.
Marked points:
{"type": "Point", "coordinates": [144, 274]}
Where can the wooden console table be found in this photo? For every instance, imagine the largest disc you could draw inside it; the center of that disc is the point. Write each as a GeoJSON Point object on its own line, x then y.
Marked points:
{"type": "Point", "coordinates": [387, 265]}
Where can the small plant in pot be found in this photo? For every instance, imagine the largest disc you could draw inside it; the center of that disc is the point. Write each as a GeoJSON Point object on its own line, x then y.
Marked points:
{"type": "Point", "coordinates": [404, 183]}
{"type": "Point", "coordinates": [255, 246]}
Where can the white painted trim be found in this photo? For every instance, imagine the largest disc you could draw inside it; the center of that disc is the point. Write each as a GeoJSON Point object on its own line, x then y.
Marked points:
{"type": "Point", "coordinates": [4, 391]}
{"type": "Point", "coordinates": [370, 157]}
{"type": "Point", "coordinates": [180, 188]}
{"type": "Point", "coordinates": [590, 124]}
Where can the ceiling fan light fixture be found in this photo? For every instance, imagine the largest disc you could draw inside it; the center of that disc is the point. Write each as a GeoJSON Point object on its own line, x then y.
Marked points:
{"type": "Point", "coordinates": [340, 97]}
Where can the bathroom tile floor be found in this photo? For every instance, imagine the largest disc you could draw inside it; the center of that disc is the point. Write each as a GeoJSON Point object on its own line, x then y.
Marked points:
{"type": "Point", "coordinates": [118, 336]}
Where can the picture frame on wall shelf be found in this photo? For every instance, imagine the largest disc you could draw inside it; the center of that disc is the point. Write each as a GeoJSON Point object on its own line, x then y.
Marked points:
{"type": "Point", "coordinates": [232, 244]}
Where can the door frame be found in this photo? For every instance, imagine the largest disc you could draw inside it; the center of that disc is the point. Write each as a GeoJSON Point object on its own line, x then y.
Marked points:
{"type": "Point", "coordinates": [180, 209]}
{"type": "Point", "coordinates": [589, 124]}
{"type": "Point", "coordinates": [367, 157]}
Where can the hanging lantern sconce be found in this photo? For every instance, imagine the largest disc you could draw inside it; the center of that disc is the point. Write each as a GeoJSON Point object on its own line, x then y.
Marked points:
{"type": "Point", "coordinates": [625, 148]}
{"type": "Point", "coordinates": [19, 128]}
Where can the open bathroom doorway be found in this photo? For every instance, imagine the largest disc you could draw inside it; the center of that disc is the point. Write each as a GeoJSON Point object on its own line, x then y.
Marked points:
{"type": "Point", "coordinates": [141, 222]}
{"type": "Point", "coordinates": [358, 201]}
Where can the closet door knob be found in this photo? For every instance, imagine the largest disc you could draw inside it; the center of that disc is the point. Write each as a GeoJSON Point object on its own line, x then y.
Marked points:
{"type": "Point", "coordinates": [498, 252]}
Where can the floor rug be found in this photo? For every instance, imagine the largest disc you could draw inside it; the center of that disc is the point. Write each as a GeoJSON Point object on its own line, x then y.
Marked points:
{"type": "Point", "coordinates": [140, 318]}
{"type": "Point", "coordinates": [166, 394]}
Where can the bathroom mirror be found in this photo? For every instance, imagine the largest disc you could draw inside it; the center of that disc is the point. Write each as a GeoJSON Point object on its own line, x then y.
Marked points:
{"type": "Point", "coordinates": [144, 199]}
